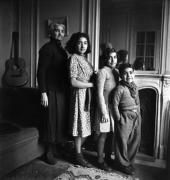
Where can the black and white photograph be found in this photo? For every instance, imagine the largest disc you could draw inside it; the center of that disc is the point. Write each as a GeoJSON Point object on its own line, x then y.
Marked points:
{"type": "Point", "coordinates": [85, 90]}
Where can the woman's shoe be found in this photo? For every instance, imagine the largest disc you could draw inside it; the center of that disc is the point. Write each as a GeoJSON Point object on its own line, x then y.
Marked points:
{"type": "Point", "coordinates": [110, 161]}
{"type": "Point", "coordinates": [50, 158]}
{"type": "Point", "coordinates": [81, 161]}
{"type": "Point", "coordinates": [104, 166]}
{"type": "Point", "coordinates": [132, 168]}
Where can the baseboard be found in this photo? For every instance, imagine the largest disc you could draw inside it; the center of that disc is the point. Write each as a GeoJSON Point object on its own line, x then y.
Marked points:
{"type": "Point", "coordinates": [140, 159]}
{"type": "Point", "coordinates": [150, 161]}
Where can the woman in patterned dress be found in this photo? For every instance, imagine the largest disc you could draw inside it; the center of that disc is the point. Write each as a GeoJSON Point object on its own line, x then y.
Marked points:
{"type": "Point", "coordinates": [107, 79]}
{"type": "Point", "coordinates": [81, 72]}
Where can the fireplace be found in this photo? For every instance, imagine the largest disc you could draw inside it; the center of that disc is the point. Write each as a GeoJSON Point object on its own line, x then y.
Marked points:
{"type": "Point", "coordinates": [150, 90]}
{"type": "Point", "coordinates": [154, 93]}
{"type": "Point", "coordinates": [148, 110]}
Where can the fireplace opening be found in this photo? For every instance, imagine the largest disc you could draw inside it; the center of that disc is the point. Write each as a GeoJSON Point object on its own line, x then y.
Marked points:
{"type": "Point", "coordinates": [148, 109]}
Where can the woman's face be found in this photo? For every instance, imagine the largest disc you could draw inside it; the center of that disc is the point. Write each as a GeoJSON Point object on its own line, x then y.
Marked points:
{"type": "Point", "coordinates": [128, 75]}
{"type": "Point", "coordinates": [58, 32]}
{"type": "Point", "coordinates": [112, 61]}
{"type": "Point", "coordinates": [82, 45]}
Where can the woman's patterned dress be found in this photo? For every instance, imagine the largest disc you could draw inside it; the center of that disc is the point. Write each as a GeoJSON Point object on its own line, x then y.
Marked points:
{"type": "Point", "coordinates": [82, 70]}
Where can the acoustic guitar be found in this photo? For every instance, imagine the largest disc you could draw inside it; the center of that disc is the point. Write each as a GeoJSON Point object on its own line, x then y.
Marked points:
{"type": "Point", "coordinates": [15, 74]}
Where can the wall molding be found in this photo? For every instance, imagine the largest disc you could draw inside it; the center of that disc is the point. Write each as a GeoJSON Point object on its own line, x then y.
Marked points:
{"type": "Point", "coordinates": [94, 30]}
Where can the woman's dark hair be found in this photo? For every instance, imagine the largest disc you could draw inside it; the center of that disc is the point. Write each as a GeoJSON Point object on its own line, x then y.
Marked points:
{"type": "Point", "coordinates": [122, 68]}
{"type": "Point", "coordinates": [106, 55]}
{"type": "Point", "coordinates": [71, 45]}
{"type": "Point", "coordinates": [121, 55]}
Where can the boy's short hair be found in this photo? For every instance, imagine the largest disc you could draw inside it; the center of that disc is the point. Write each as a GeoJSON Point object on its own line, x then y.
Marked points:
{"type": "Point", "coordinates": [122, 67]}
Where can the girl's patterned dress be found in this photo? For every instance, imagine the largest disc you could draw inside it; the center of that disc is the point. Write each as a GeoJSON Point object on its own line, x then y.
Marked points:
{"type": "Point", "coordinates": [82, 70]}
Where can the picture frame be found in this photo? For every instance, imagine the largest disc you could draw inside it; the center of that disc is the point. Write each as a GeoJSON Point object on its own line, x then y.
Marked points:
{"type": "Point", "coordinates": [59, 20]}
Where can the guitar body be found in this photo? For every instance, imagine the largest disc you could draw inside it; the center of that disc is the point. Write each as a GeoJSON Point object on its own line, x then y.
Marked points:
{"type": "Point", "coordinates": [15, 75]}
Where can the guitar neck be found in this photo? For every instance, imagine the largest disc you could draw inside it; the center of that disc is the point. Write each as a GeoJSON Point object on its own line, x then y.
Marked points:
{"type": "Point", "coordinates": [16, 47]}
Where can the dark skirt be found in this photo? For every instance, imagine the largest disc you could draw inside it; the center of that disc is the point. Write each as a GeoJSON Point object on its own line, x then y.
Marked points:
{"type": "Point", "coordinates": [56, 124]}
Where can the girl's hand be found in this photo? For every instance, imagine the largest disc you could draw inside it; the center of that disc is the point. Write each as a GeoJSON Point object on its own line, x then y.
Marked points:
{"type": "Point", "coordinates": [44, 99]}
{"type": "Point", "coordinates": [91, 85]}
{"type": "Point", "coordinates": [105, 118]}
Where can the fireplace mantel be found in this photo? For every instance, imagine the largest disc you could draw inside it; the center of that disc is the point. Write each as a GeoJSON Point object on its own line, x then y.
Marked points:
{"type": "Point", "coordinates": [161, 85]}
{"type": "Point", "coordinates": [149, 81]}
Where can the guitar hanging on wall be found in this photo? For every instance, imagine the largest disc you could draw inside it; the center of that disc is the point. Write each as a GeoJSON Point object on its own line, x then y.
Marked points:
{"type": "Point", "coordinates": [15, 74]}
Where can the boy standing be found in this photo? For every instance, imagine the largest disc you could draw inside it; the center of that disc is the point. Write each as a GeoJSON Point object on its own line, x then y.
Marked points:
{"type": "Point", "coordinates": [126, 109]}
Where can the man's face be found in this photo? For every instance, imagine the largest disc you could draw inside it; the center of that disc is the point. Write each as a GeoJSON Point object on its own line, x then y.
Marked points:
{"type": "Point", "coordinates": [58, 32]}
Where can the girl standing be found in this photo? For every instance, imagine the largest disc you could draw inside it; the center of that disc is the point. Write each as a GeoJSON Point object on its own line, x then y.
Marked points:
{"type": "Point", "coordinates": [107, 78]}
{"type": "Point", "coordinates": [80, 73]}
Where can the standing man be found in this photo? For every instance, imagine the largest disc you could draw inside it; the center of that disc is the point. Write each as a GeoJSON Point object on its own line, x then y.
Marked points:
{"type": "Point", "coordinates": [53, 84]}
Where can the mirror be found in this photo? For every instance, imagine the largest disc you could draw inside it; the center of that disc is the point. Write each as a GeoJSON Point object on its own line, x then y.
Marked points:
{"type": "Point", "coordinates": [135, 26]}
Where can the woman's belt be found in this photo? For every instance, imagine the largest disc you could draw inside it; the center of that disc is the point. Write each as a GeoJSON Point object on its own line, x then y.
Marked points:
{"type": "Point", "coordinates": [134, 109]}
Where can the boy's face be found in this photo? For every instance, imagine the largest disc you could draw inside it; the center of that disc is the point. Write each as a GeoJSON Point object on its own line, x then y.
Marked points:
{"type": "Point", "coordinates": [128, 75]}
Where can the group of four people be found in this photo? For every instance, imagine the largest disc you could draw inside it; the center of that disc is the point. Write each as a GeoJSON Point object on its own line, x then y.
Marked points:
{"type": "Point", "coordinates": [67, 86]}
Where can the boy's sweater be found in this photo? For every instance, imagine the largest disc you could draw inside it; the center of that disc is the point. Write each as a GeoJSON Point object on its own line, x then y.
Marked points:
{"type": "Point", "coordinates": [123, 101]}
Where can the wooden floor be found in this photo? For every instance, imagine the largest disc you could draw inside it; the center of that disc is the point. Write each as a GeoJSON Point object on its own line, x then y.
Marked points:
{"type": "Point", "coordinates": [143, 171]}
{"type": "Point", "coordinates": [145, 167]}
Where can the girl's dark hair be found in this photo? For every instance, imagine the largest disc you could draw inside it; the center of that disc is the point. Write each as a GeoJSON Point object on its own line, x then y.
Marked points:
{"type": "Point", "coordinates": [122, 68]}
{"type": "Point", "coordinates": [71, 45]}
{"type": "Point", "coordinates": [106, 54]}
{"type": "Point", "coordinates": [121, 55]}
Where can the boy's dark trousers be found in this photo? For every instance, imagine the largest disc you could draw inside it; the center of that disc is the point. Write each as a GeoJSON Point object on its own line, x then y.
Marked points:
{"type": "Point", "coordinates": [128, 135]}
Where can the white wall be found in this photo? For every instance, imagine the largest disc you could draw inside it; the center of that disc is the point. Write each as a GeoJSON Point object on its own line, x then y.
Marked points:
{"type": "Point", "coordinates": [114, 28]}
{"type": "Point", "coordinates": [119, 24]}
{"type": "Point", "coordinates": [53, 8]}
